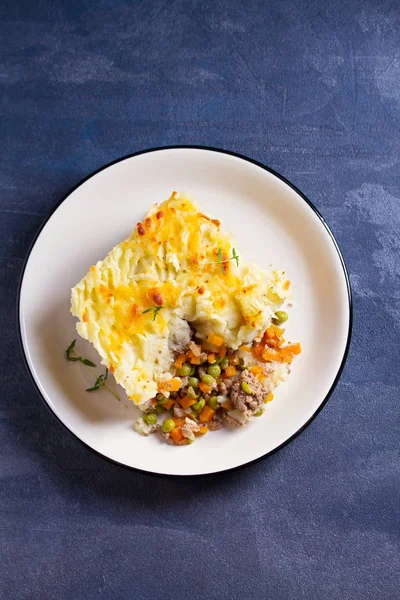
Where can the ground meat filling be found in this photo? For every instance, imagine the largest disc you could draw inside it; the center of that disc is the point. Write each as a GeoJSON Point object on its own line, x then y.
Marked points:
{"type": "Point", "coordinates": [244, 401]}
{"type": "Point", "coordinates": [210, 385]}
{"type": "Point", "coordinates": [225, 386]}
{"type": "Point", "coordinates": [216, 423]}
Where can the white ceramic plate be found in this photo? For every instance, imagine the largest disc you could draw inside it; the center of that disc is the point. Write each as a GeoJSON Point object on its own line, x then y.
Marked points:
{"type": "Point", "coordinates": [272, 223]}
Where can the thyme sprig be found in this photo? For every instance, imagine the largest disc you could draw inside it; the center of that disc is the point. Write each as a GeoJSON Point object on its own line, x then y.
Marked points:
{"type": "Point", "coordinates": [72, 356]}
{"type": "Point", "coordinates": [235, 256]}
{"type": "Point", "coordinates": [99, 382]}
{"type": "Point", "coordinates": [221, 259]}
{"type": "Point", "coordinates": [156, 310]}
{"type": "Point", "coordinates": [76, 358]}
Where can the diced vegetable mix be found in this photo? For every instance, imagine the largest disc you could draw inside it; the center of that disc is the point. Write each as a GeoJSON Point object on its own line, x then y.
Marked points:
{"type": "Point", "coordinates": [201, 392]}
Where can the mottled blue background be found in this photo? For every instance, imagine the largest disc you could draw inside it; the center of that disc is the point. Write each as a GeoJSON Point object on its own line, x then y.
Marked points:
{"type": "Point", "coordinates": [313, 90]}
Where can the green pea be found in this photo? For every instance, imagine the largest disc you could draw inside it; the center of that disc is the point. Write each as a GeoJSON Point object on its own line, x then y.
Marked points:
{"type": "Point", "coordinates": [218, 359]}
{"type": "Point", "coordinates": [195, 413]}
{"type": "Point", "coordinates": [199, 405]}
{"type": "Point", "coordinates": [208, 379]}
{"type": "Point", "coordinates": [193, 382]}
{"type": "Point", "coordinates": [168, 425]}
{"type": "Point", "coordinates": [280, 317]}
{"type": "Point", "coordinates": [192, 370]}
{"type": "Point", "coordinates": [259, 413]}
{"type": "Point", "coordinates": [150, 419]}
{"type": "Point", "coordinates": [191, 393]}
{"type": "Point", "coordinates": [161, 400]}
{"type": "Point", "coordinates": [171, 411]}
{"type": "Point", "coordinates": [213, 403]}
{"type": "Point", "coordinates": [214, 370]}
{"type": "Point", "coordinates": [184, 371]}
{"type": "Point", "coordinates": [246, 388]}
{"type": "Point", "coordinates": [242, 364]}
{"type": "Point", "coordinates": [224, 362]}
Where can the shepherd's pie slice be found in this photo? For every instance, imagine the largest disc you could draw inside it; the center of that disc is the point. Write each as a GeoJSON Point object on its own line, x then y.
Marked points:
{"type": "Point", "coordinates": [177, 273]}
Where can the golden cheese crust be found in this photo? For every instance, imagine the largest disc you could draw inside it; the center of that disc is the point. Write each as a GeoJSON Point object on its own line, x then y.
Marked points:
{"type": "Point", "coordinates": [177, 268]}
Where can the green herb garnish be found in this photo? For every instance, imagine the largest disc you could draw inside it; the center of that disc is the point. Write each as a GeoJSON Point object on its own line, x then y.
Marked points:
{"type": "Point", "coordinates": [221, 261]}
{"type": "Point", "coordinates": [76, 358]}
{"type": "Point", "coordinates": [156, 310]}
{"type": "Point", "coordinates": [235, 256]}
{"type": "Point", "coordinates": [99, 382]}
{"type": "Point", "coordinates": [72, 356]}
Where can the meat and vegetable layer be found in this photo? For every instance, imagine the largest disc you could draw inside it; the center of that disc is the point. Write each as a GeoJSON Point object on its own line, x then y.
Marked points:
{"type": "Point", "coordinates": [212, 384]}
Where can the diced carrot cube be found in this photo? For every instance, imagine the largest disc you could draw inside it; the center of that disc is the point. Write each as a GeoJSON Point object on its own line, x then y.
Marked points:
{"type": "Point", "coordinates": [154, 402]}
{"type": "Point", "coordinates": [269, 333]}
{"type": "Point", "coordinates": [203, 429]}
{"type": "Point", "coordinates": [206, 414]}
{"type": "Point", "coordinates": [287, 356]}
{"type": "Point", "coordinates": [270, 354]}
{"type": "Point", "coordinates": [206, 389]}
{"type": "Point", "coordinates": [222, 352]}
{"type": "Point", "coordinates": [211, 358]}
{"type": "Point", "coordinates": [194, 360]}
{"type": "Point", "coordinates": [169, 403]}
{"type": "Point", "coordinates": [269, 398]}
{"type": "Point", "coordinates": [272, 342]}
{"type": "Point", "coordinates": [230, 371]}
{"type": "Point", "coordinates": [273, 331]}
{"type": "Point", "coordinates": [294, 348]}
{"type": "Point", "coordinates": [258, 349]}
{"type": "Point", "coordinates": [180, 361]}
{"type": "Point", "coordinates": [256, 369]}
{"type": "Point", "coordinates": [187, 402]}
{"type": "Point", "coordinates": [176, 434]}
{"type": "Point", "coordinates": [173, 385]}
{"type": "Point", "coordinates": [216, 340]}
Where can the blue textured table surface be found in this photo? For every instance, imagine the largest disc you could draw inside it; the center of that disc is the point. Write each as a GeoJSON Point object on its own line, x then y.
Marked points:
{"type": "Point", "coordinates": [311, 89]}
